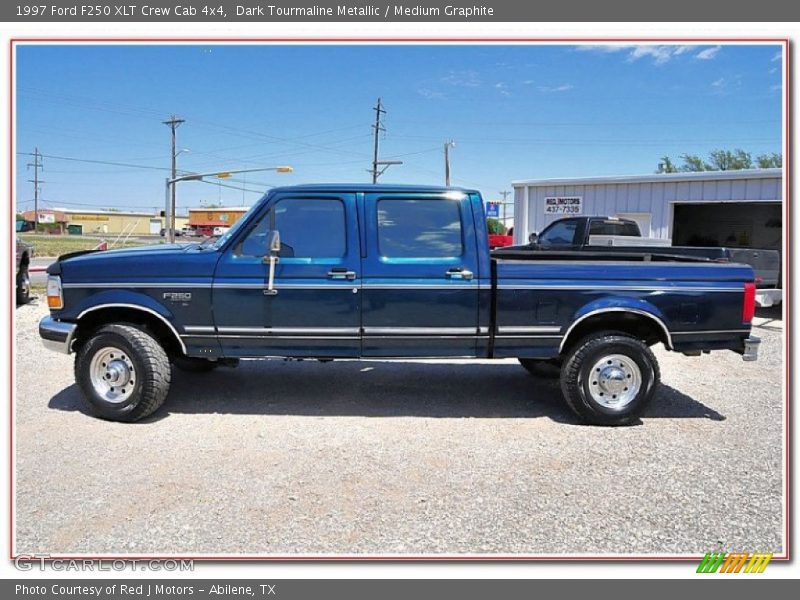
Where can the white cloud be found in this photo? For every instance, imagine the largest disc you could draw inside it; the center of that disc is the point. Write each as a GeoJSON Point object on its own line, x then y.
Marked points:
{"type": "Point", "coordinates": [778, 56]}
{"type": "Point", "coordinates": [719, 83]}
{"type": "Point", "coordinates": [430, 94]}
{"type": "Point", "coordinates": [776, 88]}
{"type": "Point", "coordinates": [467, 78]}
{"type": "Point", "coordinates": [660, 54]}
{"type": "Point", "coordinates": [502, 88]}
{"type": "Point", "coordinates": [564, 87]}
{"type": "Point", "coordinates": [708, 53]}
{"type": "Point", "coordinates": [602, 48]}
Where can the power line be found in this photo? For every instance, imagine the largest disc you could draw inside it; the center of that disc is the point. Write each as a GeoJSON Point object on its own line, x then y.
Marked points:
{"type": "Point", "coordinates": [97, 162]}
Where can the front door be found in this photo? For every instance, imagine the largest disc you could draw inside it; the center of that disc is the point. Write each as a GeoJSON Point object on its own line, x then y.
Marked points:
{"type": "Point", "coordinates": [315, 311]}
{"type": "Point", "coordinates": [420, 294]}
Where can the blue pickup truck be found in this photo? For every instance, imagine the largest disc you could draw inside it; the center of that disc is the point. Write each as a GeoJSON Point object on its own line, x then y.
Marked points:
{"type": "Point", "coordinates": [378, 271]}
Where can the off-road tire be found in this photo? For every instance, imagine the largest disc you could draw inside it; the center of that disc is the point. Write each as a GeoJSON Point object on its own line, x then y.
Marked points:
{"type": "Point", "coordinates": [23, 285]}
{"type": "Point", "coordinates": [151, 368]}
{"type": "Point", "coordinates": [575, 377]}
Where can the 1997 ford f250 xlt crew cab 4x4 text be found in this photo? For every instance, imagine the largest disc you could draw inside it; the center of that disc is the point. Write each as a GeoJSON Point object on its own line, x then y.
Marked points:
{"type": "Point", "coordinates": [360, 271]}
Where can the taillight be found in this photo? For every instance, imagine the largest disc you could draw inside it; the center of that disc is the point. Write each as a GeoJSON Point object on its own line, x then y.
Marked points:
{"type": "Point", "coordinates": [749, 306]}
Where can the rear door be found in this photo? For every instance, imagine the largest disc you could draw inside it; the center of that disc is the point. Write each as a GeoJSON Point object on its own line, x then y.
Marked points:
{"type": "Point", "coordinates": [420, 286]}
{"type": "Point", "coordinates": [316, 310]}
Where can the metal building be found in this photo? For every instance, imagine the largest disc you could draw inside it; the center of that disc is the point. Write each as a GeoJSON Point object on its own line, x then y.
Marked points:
{"type": "Point", "coordinates": [710, 208]}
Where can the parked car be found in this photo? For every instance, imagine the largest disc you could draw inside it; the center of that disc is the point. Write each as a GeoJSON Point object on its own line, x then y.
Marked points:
{"type": "Point", "coordinates": [22, 278]}
{"type": "Point", "coordinates": [611, 234]}
{"type": "Point", "coordinates": [220, 230]}
{"type": "Point", "coordinates": [355, 271]}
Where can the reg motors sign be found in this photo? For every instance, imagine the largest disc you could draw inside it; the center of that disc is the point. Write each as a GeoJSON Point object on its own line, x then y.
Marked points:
{"type": "Point", "coordinates": [563, 205]}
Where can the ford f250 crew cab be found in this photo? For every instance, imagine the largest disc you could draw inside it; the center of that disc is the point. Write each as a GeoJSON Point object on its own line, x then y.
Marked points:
{"type": "Point", "coordinates": [360, 271]}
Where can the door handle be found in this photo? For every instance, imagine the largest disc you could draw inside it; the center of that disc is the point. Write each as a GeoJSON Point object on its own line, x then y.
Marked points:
{"type": "Point", "coordinates": [459, 273]}
{"type": "Point", "coordinates": [341, 273]}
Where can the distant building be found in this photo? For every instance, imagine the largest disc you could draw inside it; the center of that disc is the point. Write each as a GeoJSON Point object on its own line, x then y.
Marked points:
{"type": "Point", "coordinates": [710, 208]}
{"type": "Point", "coordinates": [103, 222]}
{"type": "Point", "coordinates": [204, 220]}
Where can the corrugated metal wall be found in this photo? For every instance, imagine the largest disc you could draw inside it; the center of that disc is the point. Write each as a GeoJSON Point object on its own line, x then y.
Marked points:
{"type": "Point", "coordinates": [655, 198]}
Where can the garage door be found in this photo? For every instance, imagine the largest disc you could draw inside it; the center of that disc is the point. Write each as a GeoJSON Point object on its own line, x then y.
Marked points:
{"type": "Point", "coordinates": [730, 224]}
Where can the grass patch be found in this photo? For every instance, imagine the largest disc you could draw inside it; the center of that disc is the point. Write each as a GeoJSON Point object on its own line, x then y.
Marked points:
{"type": "Point", "coordinates": [56, 245]}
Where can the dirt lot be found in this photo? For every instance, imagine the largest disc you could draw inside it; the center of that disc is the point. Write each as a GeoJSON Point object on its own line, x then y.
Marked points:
{"type": "Point", "coordinates": [400, 457]}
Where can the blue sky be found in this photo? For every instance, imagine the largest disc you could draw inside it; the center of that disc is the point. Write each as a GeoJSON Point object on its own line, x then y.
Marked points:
{"type": "Point", "coordinates": [514, 112]}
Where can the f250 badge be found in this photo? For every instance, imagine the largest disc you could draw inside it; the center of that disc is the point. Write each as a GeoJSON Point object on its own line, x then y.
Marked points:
{"type": "Point", "coordinates": [178, 296]}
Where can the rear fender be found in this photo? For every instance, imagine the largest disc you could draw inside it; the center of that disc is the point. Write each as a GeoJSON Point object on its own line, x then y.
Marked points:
{"type": "Point", "coordinates": [617, 304]}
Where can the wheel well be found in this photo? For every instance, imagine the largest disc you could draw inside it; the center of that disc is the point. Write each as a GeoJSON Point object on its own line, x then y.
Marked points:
{"type": "Point", "coordinates": [96, 319]}
{"type": "Point", "coordinates": [642, 327]}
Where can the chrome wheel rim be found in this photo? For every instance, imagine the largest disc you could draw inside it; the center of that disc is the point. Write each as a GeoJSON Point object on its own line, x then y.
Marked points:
{"type": "Point", "coordinates": [614, 381]}
{"type": "Point", "coordinates": [112, 374]}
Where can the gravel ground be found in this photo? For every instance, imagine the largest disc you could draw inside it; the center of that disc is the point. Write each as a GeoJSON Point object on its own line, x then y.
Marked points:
{"type": "Point", "coordinates": [409, 457]}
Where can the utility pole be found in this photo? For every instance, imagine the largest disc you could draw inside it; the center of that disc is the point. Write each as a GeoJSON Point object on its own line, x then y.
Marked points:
{"type": "Point", "coordinates": [504, 194]}
{"type": "Point", "coordinates": [378, 127]}
{"type": "Point", "coordinates": [174, 122]}
{"type": "Point", "coordinates": [36, 164]}
{"type": "Point", "coordinates": [447, 146]}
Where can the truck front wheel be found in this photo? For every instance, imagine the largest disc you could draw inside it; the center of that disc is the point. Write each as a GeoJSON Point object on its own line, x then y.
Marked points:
{"type": "Point", "coordinates": [123, 372]}
{"type": "Point", "coordinates": [609, 378]}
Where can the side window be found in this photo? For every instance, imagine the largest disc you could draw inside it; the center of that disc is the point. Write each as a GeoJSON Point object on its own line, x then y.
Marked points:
{"type": "Point", "coordinates": [613, 228]}
{"type": "Point", "coordinates": [419, 228]}
{"type": "Point", "coordinates": [308, 228]}
{"type": "Point", "coordinates": [311, 228]}
{"type": "Point", "coordinates": [561, 233]}
{"type": "Point", "coordinates": [255, 244]}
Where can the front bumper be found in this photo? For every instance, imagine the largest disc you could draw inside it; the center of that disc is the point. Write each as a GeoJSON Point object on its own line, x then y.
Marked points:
{"type": "Point", "coordinates": [57, 335]}
{"type": "Point", "coordinates": [751, 345]}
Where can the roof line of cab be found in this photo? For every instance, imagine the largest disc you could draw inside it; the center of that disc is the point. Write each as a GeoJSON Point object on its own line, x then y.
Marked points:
{"type": "Point", "coordinates": [369, 188]}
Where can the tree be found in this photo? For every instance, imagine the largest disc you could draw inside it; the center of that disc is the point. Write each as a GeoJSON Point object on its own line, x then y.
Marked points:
{"type": "Point", "coordinates": [692, 162]}
{"type": "Point", "coordinates": [725, 160]}
{"type": "Point", "coordinates": [495, 226]}
{"type": "Point", "coordinates": [667, 166]}
{"type": "Point", "coordinates": [769, 161]}
{"type": "Point", "coordinates": [722, 160]}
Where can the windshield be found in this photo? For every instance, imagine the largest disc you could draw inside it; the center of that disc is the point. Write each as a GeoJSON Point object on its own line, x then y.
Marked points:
{"type": "Point", "coordinates": [220, 241]}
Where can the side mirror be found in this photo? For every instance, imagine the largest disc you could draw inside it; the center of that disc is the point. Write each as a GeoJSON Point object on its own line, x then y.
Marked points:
{"type": "Point", "coordinates": [273, 243]}
{"type": "Point", "coordinates": [533, 238]}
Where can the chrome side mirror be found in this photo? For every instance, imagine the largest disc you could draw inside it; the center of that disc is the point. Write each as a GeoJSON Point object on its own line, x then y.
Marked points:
{"type": "Point", "coordinates": [274, 243]}
{"type": "Point", "coordinates": [273, 251]}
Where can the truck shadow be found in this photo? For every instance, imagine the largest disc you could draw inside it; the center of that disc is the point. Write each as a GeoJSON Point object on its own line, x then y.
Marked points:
{"type": "Point", "coordinates": [380, 389]}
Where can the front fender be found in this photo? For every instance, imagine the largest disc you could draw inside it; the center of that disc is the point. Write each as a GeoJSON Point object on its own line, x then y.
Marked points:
{"type": "Point", "coordinates": [117, 299]}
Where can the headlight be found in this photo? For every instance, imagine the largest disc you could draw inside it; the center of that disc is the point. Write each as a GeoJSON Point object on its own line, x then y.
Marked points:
{"type": "Point", "coordinates": [55, 296]}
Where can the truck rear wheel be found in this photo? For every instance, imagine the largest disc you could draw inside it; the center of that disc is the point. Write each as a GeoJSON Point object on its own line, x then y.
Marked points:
{"type": "Point", "coordinates": [123, 372]}
{"type": "Point", "coordinates": [609, 378]}
{"type": "Point", "coordinates": [548, 368]}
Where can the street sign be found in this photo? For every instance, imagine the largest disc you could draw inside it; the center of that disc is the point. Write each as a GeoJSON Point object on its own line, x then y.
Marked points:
{"type": "Point", "coordinates": [493, 209]}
